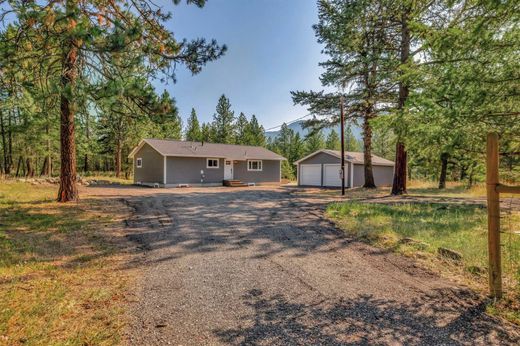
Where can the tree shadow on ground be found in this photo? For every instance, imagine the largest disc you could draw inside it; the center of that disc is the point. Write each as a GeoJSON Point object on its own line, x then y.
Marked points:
{"type": "Point", "coordinates": [273, 222]}
{"type": "Point", "coordinates": [443, 317]}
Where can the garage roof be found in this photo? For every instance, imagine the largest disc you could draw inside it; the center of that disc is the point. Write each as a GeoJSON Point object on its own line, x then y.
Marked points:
{"type": "Point", "coordinates": [204, 149]}
{"type": "Point", "coordinates": [356, 157]}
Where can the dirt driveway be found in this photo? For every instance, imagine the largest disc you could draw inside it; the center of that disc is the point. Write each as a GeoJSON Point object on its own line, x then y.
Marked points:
{"type": "Point", "coordinates": [260, 266]}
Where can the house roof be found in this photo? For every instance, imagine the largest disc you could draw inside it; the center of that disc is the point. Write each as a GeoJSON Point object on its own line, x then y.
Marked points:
{"type": "Point", "coordinates": [356, 157]}
{"type": "Point", "coordinates": [204, 149]}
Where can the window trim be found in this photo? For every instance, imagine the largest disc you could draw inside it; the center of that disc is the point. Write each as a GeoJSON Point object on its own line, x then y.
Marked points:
{"type": "Point", "coordinates": [261, 164]}
{"type": "Point", "coordinates": [139, 162]}
{"type": "Point", "coordinates": [212, 167]}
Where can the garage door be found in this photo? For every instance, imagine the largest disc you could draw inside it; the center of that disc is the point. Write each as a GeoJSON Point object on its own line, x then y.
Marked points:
{"type": "Point", "coordinates": [331, 175]}
{"type": "Point", "coordinates": [310, 175]}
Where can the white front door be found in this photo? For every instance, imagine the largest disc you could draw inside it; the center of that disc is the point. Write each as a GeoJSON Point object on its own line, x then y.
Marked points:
{"type": "Point", "coordinates": [228, 169]}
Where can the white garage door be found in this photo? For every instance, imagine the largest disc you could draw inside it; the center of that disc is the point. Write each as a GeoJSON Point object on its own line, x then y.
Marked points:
{"type": "Point", "coordinates": [310, 175]}
{"type": "Point", "coordinates": [331, 175]}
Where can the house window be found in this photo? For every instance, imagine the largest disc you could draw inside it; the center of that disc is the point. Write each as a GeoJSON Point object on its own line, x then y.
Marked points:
{"type": "Point", "coordinates": [139, 162]}
{"type": "Point", "coordinates": [212, 163]}
{"type": "Point", "coordinates": [254, 165]}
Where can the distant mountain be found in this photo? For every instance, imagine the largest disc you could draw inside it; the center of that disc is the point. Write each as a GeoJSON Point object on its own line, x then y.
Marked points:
{"type": "Point", "coordinates": [297, 127]}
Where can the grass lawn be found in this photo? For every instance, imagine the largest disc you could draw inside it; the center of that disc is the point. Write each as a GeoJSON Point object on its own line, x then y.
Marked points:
{"type": "Point", "coordinates": [420, 229]}
{"type": "Point", "coordinates": [60, 276]}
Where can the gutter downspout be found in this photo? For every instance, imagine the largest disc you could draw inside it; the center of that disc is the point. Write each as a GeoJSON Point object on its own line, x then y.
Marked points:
{"type": "Point", "coordinates": [164, 171]}
{"type": "Point", "coordinates": [351, 175]}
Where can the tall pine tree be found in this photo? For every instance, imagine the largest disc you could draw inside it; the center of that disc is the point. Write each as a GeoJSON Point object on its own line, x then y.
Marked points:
{"type": "Point", "coordinates": [75, 38]}
{"type": "Point", "coordinates": [333, 141]}
{"type": "Point", "coordinates": [193, 130]}
{"type": "Point", "coordinates": [241, 130]}
{"type": "Point", "coordinates": [223, 122]}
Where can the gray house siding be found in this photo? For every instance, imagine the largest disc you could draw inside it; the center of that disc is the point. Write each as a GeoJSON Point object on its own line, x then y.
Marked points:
{"type": "Point", "coordinates": [321, 158]}
{"type": "Point", "coordinates": [383, 175]}
{"type": "Point", "coordinates": [359, 175]}
{"type": "Point", "coordinates": [152, 170]}
{"type": "Point", "coordinates": [270, 172]}
{"type": "Point", "coordinates": [186, 170]}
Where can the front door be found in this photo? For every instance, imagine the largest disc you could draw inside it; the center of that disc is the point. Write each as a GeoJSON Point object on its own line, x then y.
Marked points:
{"type": "Point", "coordinates": [228, 169]}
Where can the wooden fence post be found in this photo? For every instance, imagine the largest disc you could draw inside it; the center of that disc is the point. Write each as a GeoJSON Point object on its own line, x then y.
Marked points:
{"type": "Point", "coordinates": [493, 208]}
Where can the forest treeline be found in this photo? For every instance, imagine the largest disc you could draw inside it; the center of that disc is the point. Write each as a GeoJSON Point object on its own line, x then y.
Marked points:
{"type": "Point", "coordinates": [425, 80]}
{"type": "Point", "coordinates": [76, 82]}
{"type": "Point", "coordinates": [434, 76]}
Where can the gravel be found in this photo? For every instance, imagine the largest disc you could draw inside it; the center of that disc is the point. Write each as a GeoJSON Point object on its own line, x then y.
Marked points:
{"type": "Point", "coordinates": [260, 266]}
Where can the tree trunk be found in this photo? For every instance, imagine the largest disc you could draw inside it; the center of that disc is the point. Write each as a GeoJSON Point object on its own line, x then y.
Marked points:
{"type": "Point", "coordinates": [10, 141]}
{"type": "Point", "coordinates": [87, 135]}
{"type": "Point", "coordinates": [68, 189]}
{"type": "Point", "coordinates": [85, 163]}
{"type": "Point", "coordinates": [399, 183]}
{"type": "Point", "coordinates": [44, 167]}
{"type": "Point", "coordinates": [463, 172]}
{"type": "Point", "coordinates": [444, 169]}
{"type": "Point", "coordinates": [48, 159]}
{"type": "Point", "coordinates": [30, 169]}
{"type": "Point", "coordinates": [118, 158]}
{"type": "Point", "coordinates": [367, 143]}
{"type": "Point", "coordinates": [20, 165]}
{"type": "Point", "coordinates": [7, 169]}
{"type": "Point", "coordinates": [400, 173]}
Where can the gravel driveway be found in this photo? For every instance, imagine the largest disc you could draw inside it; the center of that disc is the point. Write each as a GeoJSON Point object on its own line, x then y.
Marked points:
{"type": "Point", "coordinates": [261, 266]}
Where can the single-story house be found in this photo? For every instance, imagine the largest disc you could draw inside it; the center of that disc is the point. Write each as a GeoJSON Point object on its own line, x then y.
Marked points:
{"type": "Point", "coordinates": [169, 163]}
{"type": "Point", "coordinates": [322, 168]}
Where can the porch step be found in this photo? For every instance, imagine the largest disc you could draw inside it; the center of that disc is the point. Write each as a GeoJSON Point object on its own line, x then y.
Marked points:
{"type": "Point", "coordinates": [233, 183]}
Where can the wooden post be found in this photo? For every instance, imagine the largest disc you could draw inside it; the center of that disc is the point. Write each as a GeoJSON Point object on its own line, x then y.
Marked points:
{"type": "Point", "coordinates": [493, 208]}
{"type": "Point", "coordinates": [342, 122]}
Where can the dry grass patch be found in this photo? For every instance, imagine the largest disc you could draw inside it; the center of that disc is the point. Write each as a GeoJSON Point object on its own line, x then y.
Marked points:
{"type": "Point", "coordinates": [419, 229]}
{"type": "Point", "coordinates": [61, 276]}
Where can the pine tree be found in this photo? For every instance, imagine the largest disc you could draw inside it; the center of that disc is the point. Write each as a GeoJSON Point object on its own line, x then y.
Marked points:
{"type": "Point", "coordinates": [223, 122]}
{"type": "Point", "coordinates": [75, 38]}
{"type": "Point", "coordinates": [255, 133]}
{"type": "Point", "coordinates": [354, 36]}
{"type": "Point", "coordinates": [207, 132]}
{"type": "Point", "coordinates": [167, 119]}
{"type": "Point", "coordinates": [333, 141]}
{"type": "Point", "coordinates": [242, 130]}
{"type": "Point", "coordinates": [351, 143]}
{"type": "Point", "coordinates": [314, 142]}
{"type": "Point", "coordinates": [289, 145]}
{"type": "Point", "coordinates": [193, 130]}
{"type": "Point", "coordinates": [297, 149]}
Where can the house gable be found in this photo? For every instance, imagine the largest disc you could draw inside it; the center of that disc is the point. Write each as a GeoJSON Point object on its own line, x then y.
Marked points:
{"type": "Point", "coordinates": [319, 157]}
{"type": "Point", "coordinates": [152, 168]}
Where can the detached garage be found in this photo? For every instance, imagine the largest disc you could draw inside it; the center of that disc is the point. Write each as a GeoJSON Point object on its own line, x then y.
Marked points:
{"type": "Point", "coordinates": [322, 168]}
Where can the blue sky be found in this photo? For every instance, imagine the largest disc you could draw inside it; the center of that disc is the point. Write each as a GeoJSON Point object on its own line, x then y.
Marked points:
{"type": "Point", "coordinates": [271, 51]}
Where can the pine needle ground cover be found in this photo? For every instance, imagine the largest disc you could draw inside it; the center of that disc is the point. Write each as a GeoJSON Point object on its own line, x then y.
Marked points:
{"type": "Point", "coordinates": [61, 281]}
{"type": "Point", "coordinates": [421, 229]}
